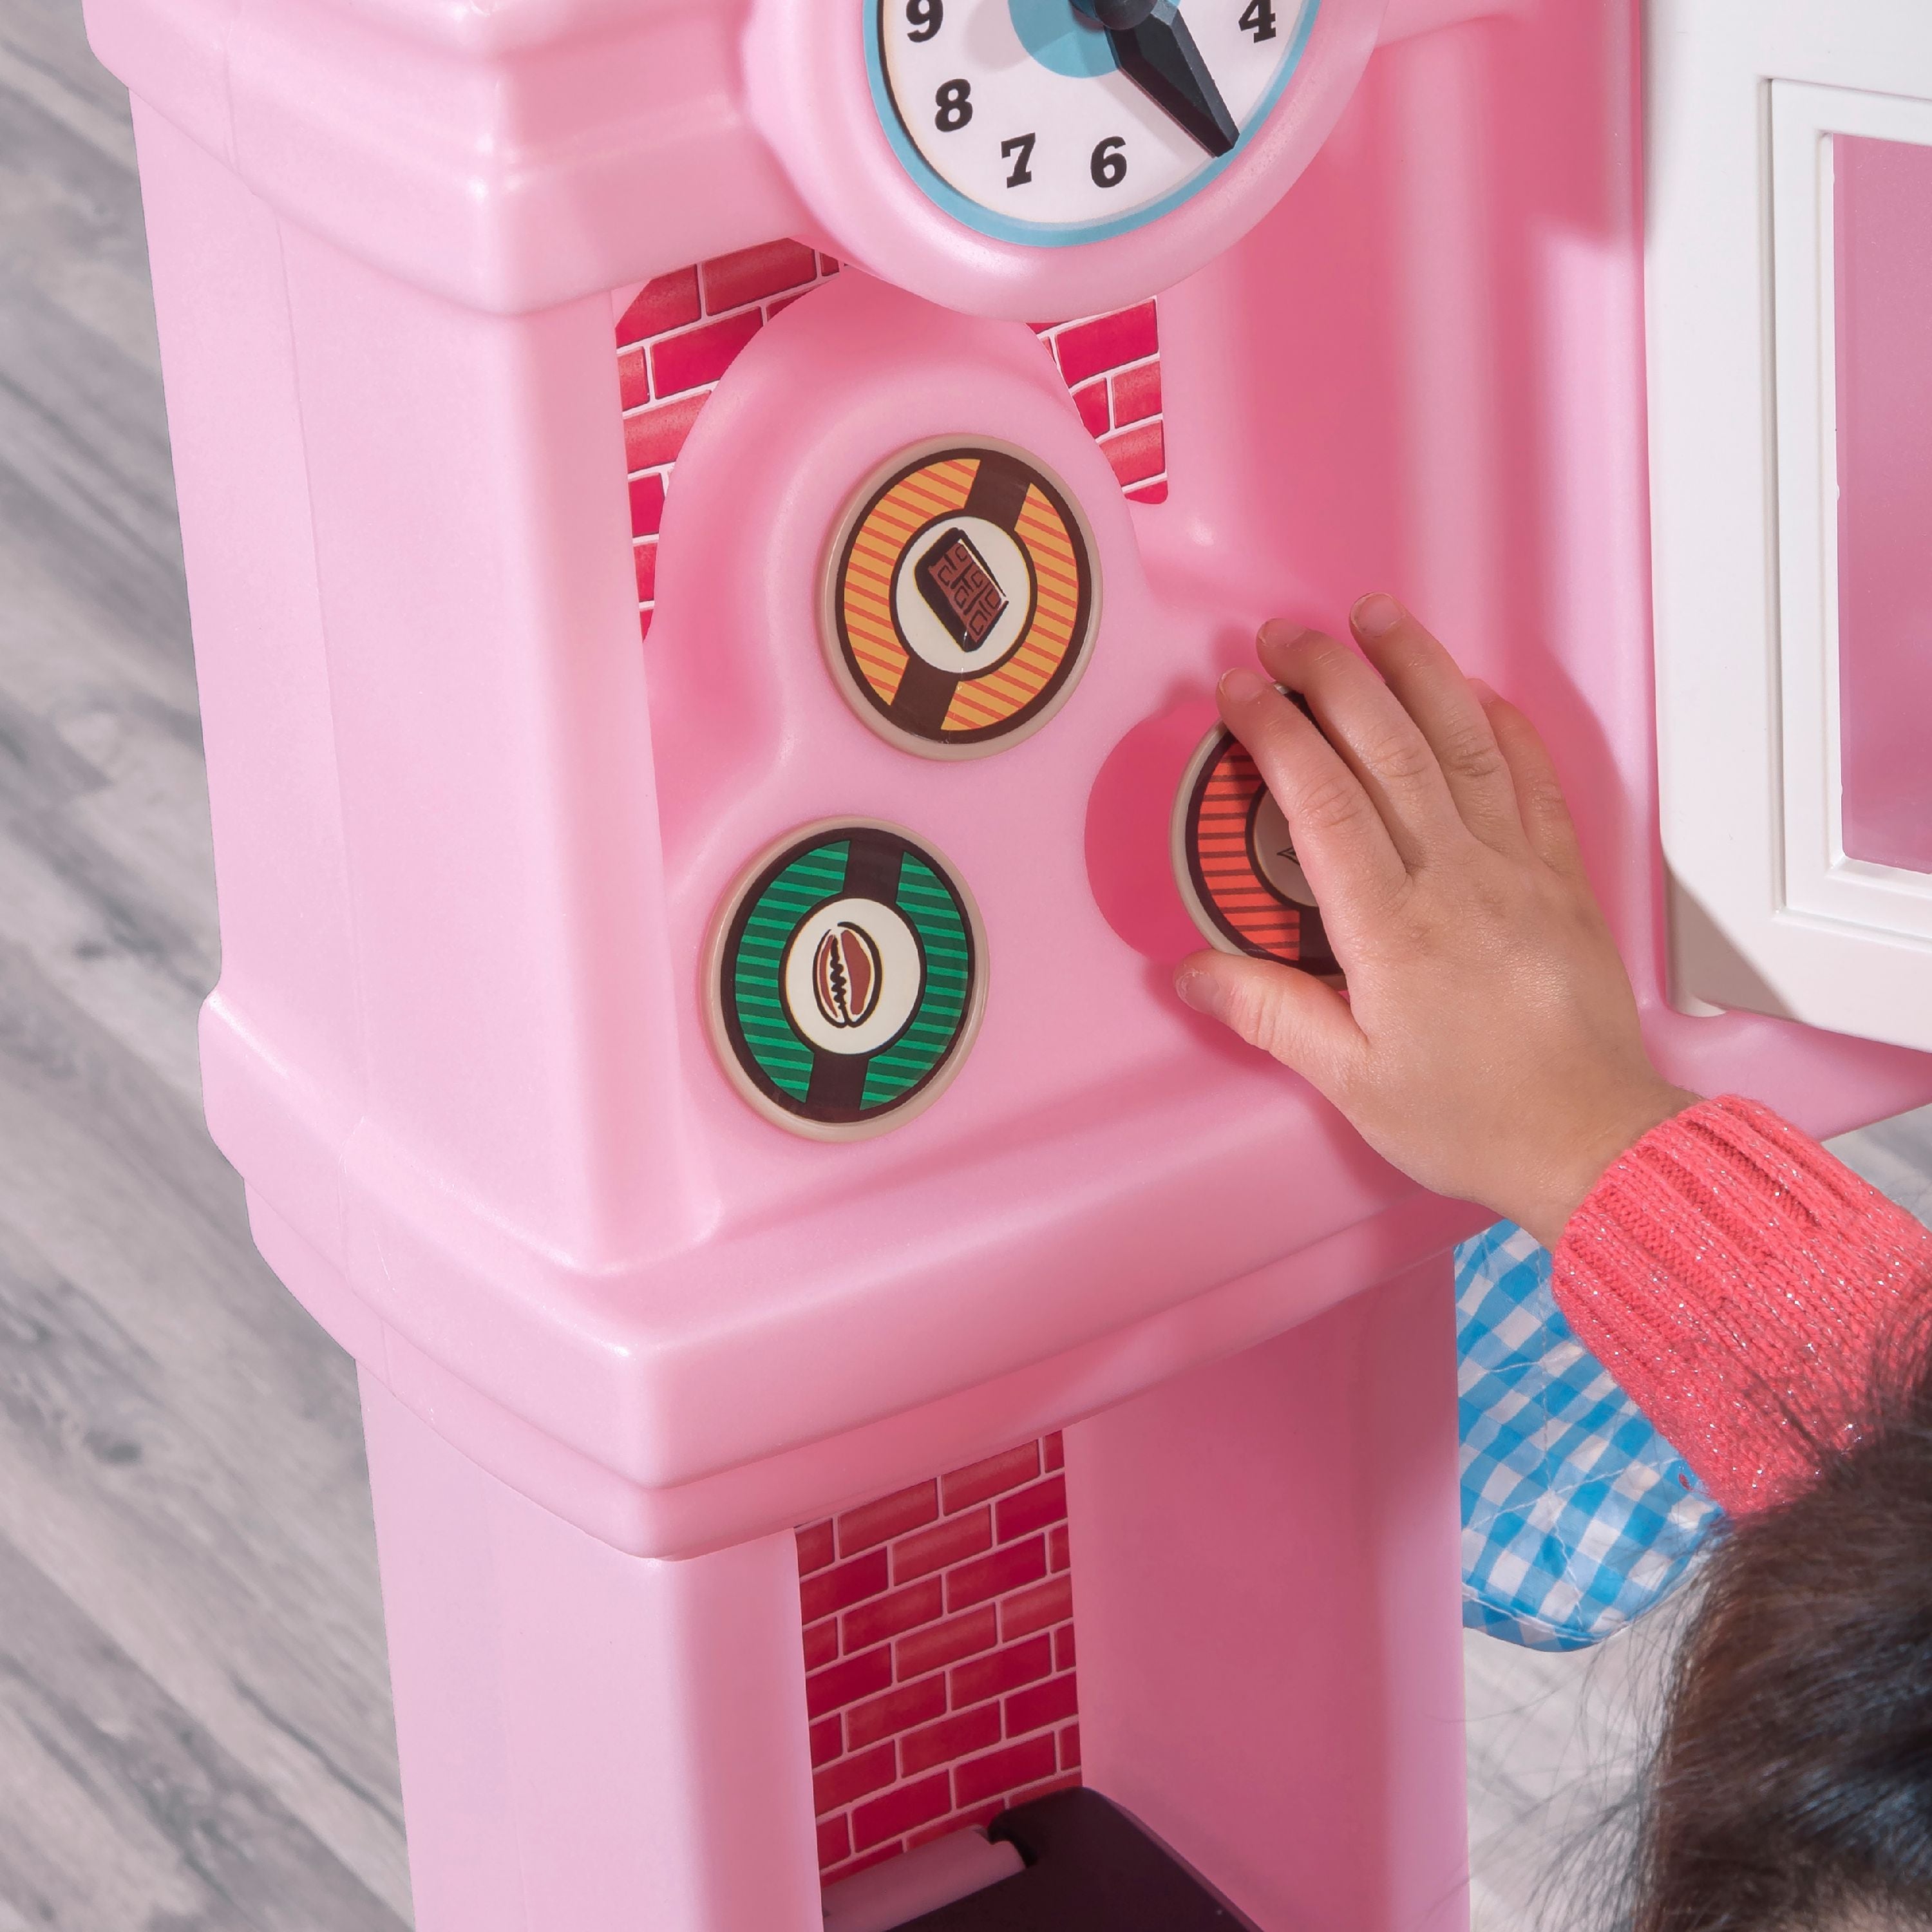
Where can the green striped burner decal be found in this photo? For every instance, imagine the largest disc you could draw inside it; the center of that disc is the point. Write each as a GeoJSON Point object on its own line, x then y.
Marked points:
{"type": "Point", "coordinates": [845, 987]}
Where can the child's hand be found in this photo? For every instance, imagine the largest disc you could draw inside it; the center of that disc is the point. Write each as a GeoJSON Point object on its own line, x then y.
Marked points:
{"type": "Point", "coordinates": [1489, 1046]}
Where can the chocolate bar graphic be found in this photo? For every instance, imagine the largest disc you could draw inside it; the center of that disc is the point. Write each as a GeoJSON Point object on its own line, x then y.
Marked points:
{"type": "Point", "coordinates": [960, 588]}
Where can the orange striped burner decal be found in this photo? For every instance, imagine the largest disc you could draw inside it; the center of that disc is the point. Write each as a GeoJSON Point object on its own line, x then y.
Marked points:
{"type": "Point", "coordinates": [959, 695]}
{"type": "Point", "coordinates": [1219, 870]}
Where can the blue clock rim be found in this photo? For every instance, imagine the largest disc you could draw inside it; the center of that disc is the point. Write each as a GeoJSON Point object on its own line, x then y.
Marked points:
{"type": "Point", "coordinates": [1059, 234]}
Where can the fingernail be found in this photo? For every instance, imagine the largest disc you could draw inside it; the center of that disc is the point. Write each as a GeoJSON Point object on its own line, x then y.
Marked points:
{"type": "Point", "coordinates": [1486, 692]}
{"type": "Point", "coordinates": [1196, 989]}
{"type": "Point", "coordinates": [1376, 615]}
{"type": "Point", "coordinates": [1242, 687]}
{"type": "Point", "coordinates": [1280, 632]}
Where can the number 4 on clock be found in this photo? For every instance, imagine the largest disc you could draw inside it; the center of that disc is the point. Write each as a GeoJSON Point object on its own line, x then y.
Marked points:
{"type": "Point", "coordinates": [1019, 151]}
{"type": "Point", "coordinates": [1259, 20]}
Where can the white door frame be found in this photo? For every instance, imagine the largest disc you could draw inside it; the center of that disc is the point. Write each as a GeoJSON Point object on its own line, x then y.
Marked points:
{"type": "Point", "coordinates": [1767, 912]}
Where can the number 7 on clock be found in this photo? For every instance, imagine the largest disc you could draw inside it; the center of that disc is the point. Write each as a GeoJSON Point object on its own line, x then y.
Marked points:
{"type": "Point", "coordinates": [1019, 151]}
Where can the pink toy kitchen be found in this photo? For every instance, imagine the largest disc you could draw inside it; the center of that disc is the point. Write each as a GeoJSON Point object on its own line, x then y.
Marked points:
{"type": "Point", "coordinates": [712, 527]}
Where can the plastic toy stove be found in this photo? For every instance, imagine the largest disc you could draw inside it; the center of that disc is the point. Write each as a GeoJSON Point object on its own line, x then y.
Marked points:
{"type": "Point", "coordinates": [713, 1082]}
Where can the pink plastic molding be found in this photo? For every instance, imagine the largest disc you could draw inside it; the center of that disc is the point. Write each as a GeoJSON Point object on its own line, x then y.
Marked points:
{"type": "Point", "coordinates": [1884, 261]}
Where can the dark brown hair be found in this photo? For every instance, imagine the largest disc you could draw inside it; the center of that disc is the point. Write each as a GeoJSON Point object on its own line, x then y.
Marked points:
{"type": "Point", "coordinates": [1792, 1787]}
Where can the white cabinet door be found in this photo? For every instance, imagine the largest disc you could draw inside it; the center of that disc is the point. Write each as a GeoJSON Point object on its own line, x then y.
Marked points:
{"type": "Point", "coordinates": [1790, 288]}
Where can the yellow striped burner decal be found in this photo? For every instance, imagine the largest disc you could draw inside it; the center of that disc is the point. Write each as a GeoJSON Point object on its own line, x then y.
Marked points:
{"type": "Point", "coordinates": [961, 599]}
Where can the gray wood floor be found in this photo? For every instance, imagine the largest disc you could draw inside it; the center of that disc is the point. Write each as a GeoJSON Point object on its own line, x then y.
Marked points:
{"type": "Point", "coordinates": [194, 1725]}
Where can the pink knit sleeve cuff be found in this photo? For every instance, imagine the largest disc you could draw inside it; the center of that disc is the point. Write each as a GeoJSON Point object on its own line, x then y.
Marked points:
{"type": "Point", "coordinates": [1737, 1280]}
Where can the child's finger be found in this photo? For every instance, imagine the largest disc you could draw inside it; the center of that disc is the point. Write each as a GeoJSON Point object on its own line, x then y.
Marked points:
{"type": "Point", "coordinates": [1339, 837]}
{"type": "Point", "coordinates": [1304, 1024]}
{"type": "Point", "coordinates": [1381, 743]}
{"type": "Point", "coordinates": [1539, 793]}
{"type": "Point", "coordinates": [1435, 694]}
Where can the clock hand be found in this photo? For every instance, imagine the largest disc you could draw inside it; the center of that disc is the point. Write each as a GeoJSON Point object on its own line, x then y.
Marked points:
{"type": "Point", "coordinates": [1158, 55]}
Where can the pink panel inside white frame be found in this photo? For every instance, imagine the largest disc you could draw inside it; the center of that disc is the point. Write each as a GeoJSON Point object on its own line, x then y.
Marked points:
{"type": "Point", "coordinates": [1883, 228]}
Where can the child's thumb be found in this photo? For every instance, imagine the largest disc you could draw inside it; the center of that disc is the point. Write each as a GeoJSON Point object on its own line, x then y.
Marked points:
{"type": "Point", "coordinates": [1303, 1023]}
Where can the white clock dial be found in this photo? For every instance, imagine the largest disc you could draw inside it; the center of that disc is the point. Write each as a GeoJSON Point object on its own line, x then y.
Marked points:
{"type": "Point", "coordinates": [1027, 120]}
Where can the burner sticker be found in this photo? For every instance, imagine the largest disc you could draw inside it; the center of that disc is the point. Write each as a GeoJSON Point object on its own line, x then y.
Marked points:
{"type": "Point", "coordinates": [1234, 862]}
{"type": "Point", "coordinates": [845, 980]}
{"type": "Point", "coordinates": [962, 598]}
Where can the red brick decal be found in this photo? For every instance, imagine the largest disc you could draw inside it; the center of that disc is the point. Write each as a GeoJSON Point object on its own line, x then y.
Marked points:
{"type": "Point", "coordinates": [945, 1542]}
{"type": "Point", "coordinates": [947, 1642]}
{"type": "Point", "coordinates": [992, 1478]}
{"type": "Point", "coordinates": [890, 1516]}
{"type": "Point", "coordinates": [1098, 342]}
{"type": "Point", "coordinates": [952, 1687]}
{"type": "Point", "coordinates": [816, 1548]}
{"type": "Point", "coordinates": [988, 1577]}
{"type": "Point", "coordinates": [677, 335]}
{"type": "Point", "coordinates": [1112, 364]}
{"type": "Point", "coordinates": [1026, 1611]}
{"type": "Point", "coordinates": [843, 1584]}
{"type": "Point", "coordinates": [730, 281]}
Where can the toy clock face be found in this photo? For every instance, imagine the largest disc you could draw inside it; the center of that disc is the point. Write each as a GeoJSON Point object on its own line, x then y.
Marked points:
{"type": "Point", "coordinates": [1040, 121]}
